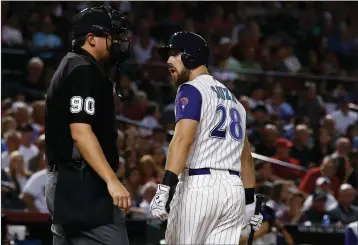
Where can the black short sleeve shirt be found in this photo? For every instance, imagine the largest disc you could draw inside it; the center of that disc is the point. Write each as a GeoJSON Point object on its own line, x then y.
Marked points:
{"type": "Point", "coordinates": [80, 92]}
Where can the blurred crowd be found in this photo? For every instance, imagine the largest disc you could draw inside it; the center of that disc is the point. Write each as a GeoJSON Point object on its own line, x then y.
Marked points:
{"type": "Point", "coordinates": [310, 126]}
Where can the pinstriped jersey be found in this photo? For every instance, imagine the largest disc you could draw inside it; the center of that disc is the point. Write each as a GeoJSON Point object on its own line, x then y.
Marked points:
{"type": "Point", "coordinates": [220, 135]}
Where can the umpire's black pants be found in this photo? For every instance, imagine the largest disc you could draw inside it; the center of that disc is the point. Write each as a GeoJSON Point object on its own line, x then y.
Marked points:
{"type": "Point", "coordinates": [111, 234]}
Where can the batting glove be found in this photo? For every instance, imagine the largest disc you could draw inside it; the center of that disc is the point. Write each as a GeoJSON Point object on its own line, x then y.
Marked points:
{"type": "Point", "coordinates": [252, 219]}
{"type": "Point", "coordinates": [256, 221]}
{"type": "Point", "coordinates": [158, 204]}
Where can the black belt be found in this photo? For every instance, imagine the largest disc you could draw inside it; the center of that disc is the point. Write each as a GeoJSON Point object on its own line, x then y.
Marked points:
{"type": "Point", "coordinates": [53, 166]}
{"type": "Point", "coordinates": [205, 171]}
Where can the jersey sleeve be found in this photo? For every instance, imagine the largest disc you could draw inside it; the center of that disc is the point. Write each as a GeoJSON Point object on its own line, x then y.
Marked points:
{"type": "Point", "coordinates": [83, 97]}
{"type": "Point", "coordinates": [188, 103]}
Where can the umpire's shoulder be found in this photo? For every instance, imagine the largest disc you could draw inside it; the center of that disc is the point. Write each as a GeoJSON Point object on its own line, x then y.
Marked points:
{"type": "Point", "coordinates": [78, 62]}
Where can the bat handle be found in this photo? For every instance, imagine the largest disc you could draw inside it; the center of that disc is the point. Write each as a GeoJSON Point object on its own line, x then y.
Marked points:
{"type": "Point", "coordinates": [259, 200]}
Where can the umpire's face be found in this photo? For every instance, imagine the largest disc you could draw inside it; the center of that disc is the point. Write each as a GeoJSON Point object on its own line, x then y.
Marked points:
{"type": "Point", "coordinates": [178, 73]}
{"type": "Point", "coordinates": [101, 45]}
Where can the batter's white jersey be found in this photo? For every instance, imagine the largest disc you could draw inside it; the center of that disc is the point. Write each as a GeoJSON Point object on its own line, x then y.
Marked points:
{"type": "Point", "coordinates": [221, 134]}
{"type": "Point", "coordinates": [208, 208]}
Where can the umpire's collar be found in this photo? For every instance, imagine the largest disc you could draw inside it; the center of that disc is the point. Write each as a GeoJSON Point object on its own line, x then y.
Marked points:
{"type": "Point", "coordinates": [89, 56]}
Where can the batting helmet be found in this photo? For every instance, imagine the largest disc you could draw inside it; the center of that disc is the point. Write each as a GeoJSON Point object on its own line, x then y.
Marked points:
{"type": "Point", "coordinates": [195, 51]}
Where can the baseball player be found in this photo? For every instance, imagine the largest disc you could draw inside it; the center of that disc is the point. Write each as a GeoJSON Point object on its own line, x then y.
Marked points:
{"type": "Point", "coordinates": [209, 160]}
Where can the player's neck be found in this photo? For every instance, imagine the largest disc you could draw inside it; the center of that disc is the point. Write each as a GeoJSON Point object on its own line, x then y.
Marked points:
{"type": "Point", "coordinates": [201, 70]}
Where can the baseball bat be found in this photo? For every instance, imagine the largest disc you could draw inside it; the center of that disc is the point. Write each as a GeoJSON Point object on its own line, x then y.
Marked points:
{"type": "Point", "coordinates": [259, 200]}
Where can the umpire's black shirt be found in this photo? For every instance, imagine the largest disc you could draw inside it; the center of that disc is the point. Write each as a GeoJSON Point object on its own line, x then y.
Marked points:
{"type": "Point", "coordinates": [80, 92]}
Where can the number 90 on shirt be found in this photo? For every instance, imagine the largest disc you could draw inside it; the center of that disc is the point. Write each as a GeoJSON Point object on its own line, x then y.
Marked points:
{"type": "Point", "coordinates": [78, 104]}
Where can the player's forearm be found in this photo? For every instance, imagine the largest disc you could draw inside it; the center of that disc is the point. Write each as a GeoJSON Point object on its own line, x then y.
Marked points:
{"type": "Point", "coordinates": [177, 155]}
{"type": "Point", "coordinates": [91, 151]}
{"type": "Point", "coordinates": [248, 175]}
{"type": "Point", "coordinates": [248, 166]}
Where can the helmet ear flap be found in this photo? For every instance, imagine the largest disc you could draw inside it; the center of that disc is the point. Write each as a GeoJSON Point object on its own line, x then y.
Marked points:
{"type": "Point", "coordinates": [189, 61]}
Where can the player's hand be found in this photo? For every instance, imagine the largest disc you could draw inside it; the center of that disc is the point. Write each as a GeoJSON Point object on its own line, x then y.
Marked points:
{"type": "Point", "coordinates": [159, 202]}
{"type": "Point", "coordinates": [256, 221]}
{"type": "Point", "coordinates": [119, 194]}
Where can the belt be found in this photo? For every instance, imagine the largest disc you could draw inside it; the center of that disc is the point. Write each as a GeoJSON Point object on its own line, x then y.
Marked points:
{"type": "Point", "coordinates": [205, 171]}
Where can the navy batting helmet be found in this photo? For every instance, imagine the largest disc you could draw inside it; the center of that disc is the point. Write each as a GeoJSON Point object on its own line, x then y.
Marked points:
{"type": "Point", "coordinates": [195, 51]}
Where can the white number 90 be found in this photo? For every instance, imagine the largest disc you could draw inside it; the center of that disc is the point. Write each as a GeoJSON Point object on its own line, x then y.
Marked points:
{"type": "Point", "coordinates": [77, 105]}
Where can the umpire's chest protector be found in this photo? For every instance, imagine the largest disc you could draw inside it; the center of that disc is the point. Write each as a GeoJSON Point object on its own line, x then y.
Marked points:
{"type": "Point", "coordinates": [80, 197]}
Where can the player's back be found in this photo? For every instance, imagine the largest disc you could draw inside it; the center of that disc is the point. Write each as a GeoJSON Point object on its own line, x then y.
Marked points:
{"type": "Point", "coordinates": [221, 132]}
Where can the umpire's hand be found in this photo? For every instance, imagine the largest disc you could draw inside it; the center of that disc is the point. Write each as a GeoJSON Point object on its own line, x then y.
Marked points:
{"type": "Point", "coordinates": [119, 194]}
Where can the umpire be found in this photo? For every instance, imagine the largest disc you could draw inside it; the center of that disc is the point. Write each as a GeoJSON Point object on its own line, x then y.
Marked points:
{"type": "Point", "coordinates": [83, 193]}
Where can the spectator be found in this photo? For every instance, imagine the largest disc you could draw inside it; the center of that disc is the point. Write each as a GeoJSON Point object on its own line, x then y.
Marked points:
{"type": "Point", "coordinates": [315, 214]}
{"type": "Point", "coordinates": [38, 114]}
{"type": "Point", "coordinates": [345, 212]}
{"type": "Point", "coordinates": [159, 136]}
{"type": "Point", "coordinates": [353, 169]}
{"type": "Point", "coordinates": [34, 192]}
{"type": "Point", "coordinates": [279, 197]}
{"type": "Point", "coordinates": [283, 147]}
{"type": "Point", "coordinates": [36, 162]}
{"type": "Point", "coordinates": [293, 214]}
{"type": "Point", "coordinates": [159, 156]}
{"type": "Point", "coordinates": [150, 119]}
{"type": "Point", "coordinates": [289, 62]}
{"type": "Point", "coordinates": [301, 150]}
{"type": "Point", "coordinates": [329, 125]}
{"type": "Point", "coordinates": [46, 41]}
{"type": "Point", "coordinates": [343, 117]}
{"type": "Point", "coordinates": [327, 169]}
{"type": "Point", "coordinates": [244, 100]}
{"type": "Point", "coordinates": [13, 140]}
{"type": "Point", "coordinates": [311, 106]}
{"type": "Point", "coordinates": [267, 147]}
{"type": "Point", "coordinates": [137, 109]}
{"type": "Point", "coordinates": [342, 149]}
{"type": "Point", "coordinates": [33, 87]}
{"type": "Point", "coordinates": [21, 113]}
{"type": "Point", "coordinates": [257, 97]}
{"type": "Point", "coordinates": [323, 184]}
{"type": "Point", "coordinates": [278, 106]}
{"type": "Point", "coordinates": [8, 123]}
{"type": "Point", "coordinates": [17, 172]}
{"type": "Point", "coordinates": [322, 147]}
{"type": "Point", "coordinates": [126, 89]}
{"type": "Point", "coordinates": [352, 132]}
{"type": "Point", "coordinates": [256, 130]}
{"type": "Point", "coordinates": [11, 33]}
{"type": "Point", "coordinates": [250, 62]}
{"type": "Point", "coordinates": [28, 149]}
{"type": "Point", "coordinates": [148, 193]}
{"type": "Point", "coordinates": [142, 48]}
{"type": "Point", "coordinates": [148, 168]}
{"type": "Point", "coordinates": [132, 184]}
{"type": "Point", "coordinates": [263, 173]}
{"type": "Point", "coordinates": [345, 171]}
{"type": "Point", "coordinates": [227, 64]}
